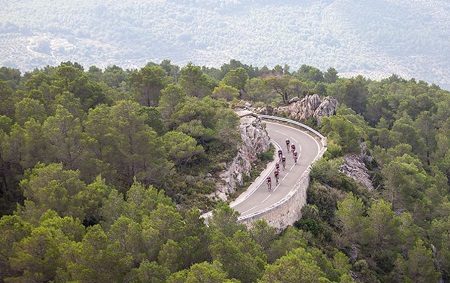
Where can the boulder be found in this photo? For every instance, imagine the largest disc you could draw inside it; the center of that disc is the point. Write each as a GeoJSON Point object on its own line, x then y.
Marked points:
{"type": "Point", "coordinates": [294, 99]}
{"type": "Point", "coordinates": [327, 107]}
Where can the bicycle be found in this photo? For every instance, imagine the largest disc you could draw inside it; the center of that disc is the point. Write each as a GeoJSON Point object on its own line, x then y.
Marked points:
{"type": "Point", "coordinates": [269, 184]}
{"type": "Point", "coordinates": [280, 153]}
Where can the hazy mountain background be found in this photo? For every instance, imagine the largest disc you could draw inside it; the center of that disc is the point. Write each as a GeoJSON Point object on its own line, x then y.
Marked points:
{"type": "Point", "coordinates": [375, 38]}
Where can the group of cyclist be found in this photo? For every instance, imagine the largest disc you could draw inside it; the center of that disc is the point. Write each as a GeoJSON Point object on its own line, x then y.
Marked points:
{"type": "Point", "coordinates": [282, 159]}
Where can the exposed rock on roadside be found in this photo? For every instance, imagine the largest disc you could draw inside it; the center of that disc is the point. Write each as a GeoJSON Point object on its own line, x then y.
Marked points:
{"type": "Point", "coordinates": [355, 168]}
{"type": "Point", "coordinates": [327, 107]}
{"type": "Point", "coordinates": [255, 140]}
{"type": "Point", "coordinates": [309, 106]}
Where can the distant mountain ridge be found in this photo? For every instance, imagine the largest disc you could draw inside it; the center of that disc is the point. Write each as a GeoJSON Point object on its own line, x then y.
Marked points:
{"type": "Point", "coordinates": [372, 38]}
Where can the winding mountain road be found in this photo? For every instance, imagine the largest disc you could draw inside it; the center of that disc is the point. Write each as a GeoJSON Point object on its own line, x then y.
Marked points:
{"type": "Point", "coordinates": [258, 198]}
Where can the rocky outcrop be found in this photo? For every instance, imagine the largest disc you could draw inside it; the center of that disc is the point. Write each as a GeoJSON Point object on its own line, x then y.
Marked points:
{"type": "Point", "coordinates": [309, 106]}
{"type": "Point", "coordinates": [255, 140]}
{"type": "Point", "coordinates": [327, 107]}
{"type": "Point", "coordinates": [355, 168]}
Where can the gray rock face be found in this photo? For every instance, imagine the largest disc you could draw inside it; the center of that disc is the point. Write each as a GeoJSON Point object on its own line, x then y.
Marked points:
{"type": "Point", "coordinates": [327, 107]}
{"type": "Point", "coordinates": [355, 168]}
{"type": "Point", "coordinates": [309, 106]}
{"type": "Point", "coordinates": [255, 140]}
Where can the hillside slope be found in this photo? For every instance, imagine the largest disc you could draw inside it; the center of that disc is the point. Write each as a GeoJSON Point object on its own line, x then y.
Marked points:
{"type": "Point", "coordinates": [372, 38]}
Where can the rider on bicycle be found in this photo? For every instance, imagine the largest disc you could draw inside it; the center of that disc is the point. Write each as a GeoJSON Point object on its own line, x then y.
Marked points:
{"type": "Point", "coordinates": [280, 153]}
{"type": "Point", "coordinates": [276, 173]}
{"type": "Point", "coordinates": [283, 161]}
{"type": "Point", "coordinates": [295, 156]}
{"type": "Point", "coordinates": [293, 147]}
{"type": "Point", "coordinates": [277, 165]}
{"type": "Point", "coordinates": [287, 144]}
{"type": "Point", "coordinates": [269, 182]}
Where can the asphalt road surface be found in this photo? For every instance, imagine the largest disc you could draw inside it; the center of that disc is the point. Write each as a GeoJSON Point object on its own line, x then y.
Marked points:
{"type": "Point", "coordinates": [258, 197]}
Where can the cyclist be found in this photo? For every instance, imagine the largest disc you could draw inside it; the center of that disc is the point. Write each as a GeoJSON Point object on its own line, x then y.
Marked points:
{"type": "Point", "coordinates": [280, 153]}
{"type": "Point", "coordinates": [283, 161]}
{"type": "Point", "coordinates": [293, 147]}
{"type": "Point", "coordinates": [276, 173]}
{"type": "Point", "coordinates": [269, 183]}
{"type": "Point", "coordinates": [295, 154]}
{"type": "Point", "coordinates": [277, 166]}
{"type": "Point", "coordinates": [287, 144]}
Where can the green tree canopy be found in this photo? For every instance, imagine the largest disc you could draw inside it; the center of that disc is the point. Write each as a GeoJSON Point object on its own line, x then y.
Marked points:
{"type": "Point", "coordinates": [194, 82]}
{"type": "Point", "coordinates": [147, 84]}
{"type": "Point", "coordinates": [236, 78]}
{"type": "Point", "coordinates": [297, 266]}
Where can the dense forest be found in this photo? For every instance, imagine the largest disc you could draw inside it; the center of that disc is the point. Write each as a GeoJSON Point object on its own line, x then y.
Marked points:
{"type": "Point", "coordinates": [104, 174]}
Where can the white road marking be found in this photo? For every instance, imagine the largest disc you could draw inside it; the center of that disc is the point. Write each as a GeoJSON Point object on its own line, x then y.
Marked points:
{"type": "Point", "coordinates": [317, 143]}
{"type": "Point", "coordinates": [266, 198]}
{"type": "Point", "coordinates": [249, 209]}
{"type": "Point", "coordinates": [276, 144]}
{"type": "Point", "coordinates": [276, 187]}
{"type": "Point", "coordinates": [290, 138]}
